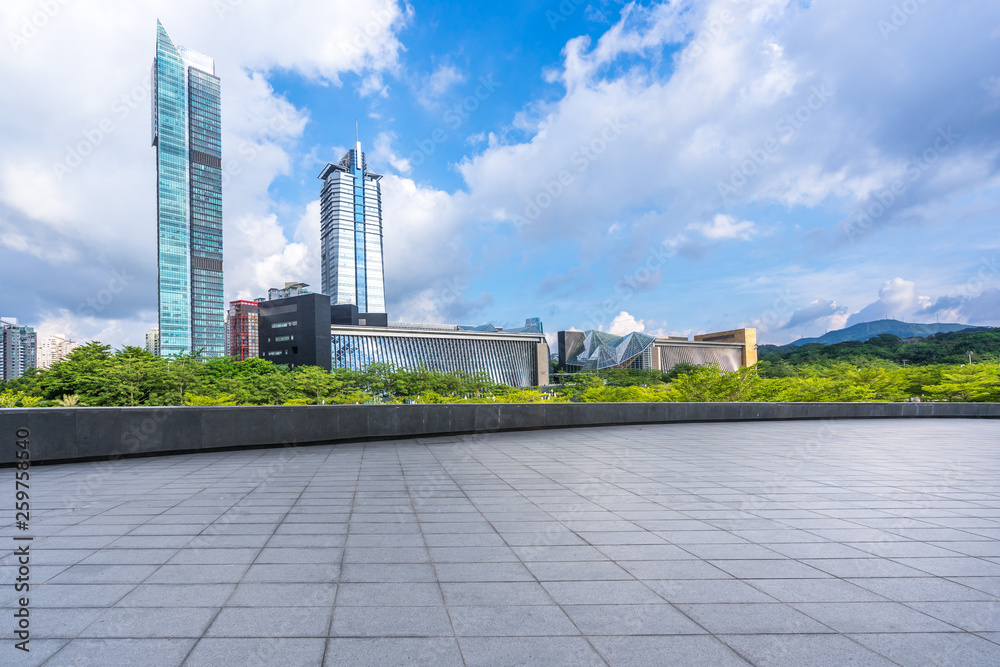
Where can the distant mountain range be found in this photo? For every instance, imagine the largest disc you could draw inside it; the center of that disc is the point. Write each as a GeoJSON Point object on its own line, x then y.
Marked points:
{"type": "Point", "coordinates": [866, 330]}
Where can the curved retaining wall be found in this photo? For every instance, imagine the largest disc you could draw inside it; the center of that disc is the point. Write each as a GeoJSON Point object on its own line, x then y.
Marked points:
{"type": "Point", "coordinates": [79, 434]}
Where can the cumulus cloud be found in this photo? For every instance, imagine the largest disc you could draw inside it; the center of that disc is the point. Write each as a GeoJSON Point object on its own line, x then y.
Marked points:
{"type": "Point", "coordinates": [724, 227]}
{"type": "Point", "coordinates": [624, 324]}
{"type": "Point", "coordinates": [438, 84]}
{"type": "Point", "coordinates": [897, 299]}
{"type": "Point", "coordinates": [384, 154]}
{"type": "Point", "coordinates": [815, 311]}
{"type": "Point", "coordinates": [77, 174]}
{"type": "Point", "coordinates": [721, 112]}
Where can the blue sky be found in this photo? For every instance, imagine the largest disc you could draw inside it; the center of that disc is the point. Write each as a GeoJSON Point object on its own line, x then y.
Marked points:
{"type": "Point", "coordinates": [670, 167]}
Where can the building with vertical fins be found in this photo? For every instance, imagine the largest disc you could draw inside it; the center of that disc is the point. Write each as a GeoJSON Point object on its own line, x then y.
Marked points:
{"type": "Point", "coordinates": [186, 131]}
{"type": "Point", "coordinates": [351, 234]}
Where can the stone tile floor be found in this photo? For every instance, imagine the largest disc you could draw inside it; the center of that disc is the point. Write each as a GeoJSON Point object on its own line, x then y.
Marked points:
{"type": "Point", "coordinates": [796, 543]}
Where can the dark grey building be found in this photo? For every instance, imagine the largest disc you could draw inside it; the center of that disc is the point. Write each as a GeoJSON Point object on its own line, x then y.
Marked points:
{"type": "Point", "coordinates": [295, 330]}
{"type": "Point", "coordinates": [347, 314]}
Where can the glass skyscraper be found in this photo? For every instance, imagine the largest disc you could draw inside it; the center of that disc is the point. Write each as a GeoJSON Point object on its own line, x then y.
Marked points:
{"type": "Point", "coordinates": [351, 233]}
{"type": "Point", "coordinates": [186, 118]}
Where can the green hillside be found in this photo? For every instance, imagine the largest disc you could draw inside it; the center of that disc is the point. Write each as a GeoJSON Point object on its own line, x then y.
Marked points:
{"type": "Point", "coordinates": [940, 348]}
{"type": "Point", "coordinates": [866, 330]}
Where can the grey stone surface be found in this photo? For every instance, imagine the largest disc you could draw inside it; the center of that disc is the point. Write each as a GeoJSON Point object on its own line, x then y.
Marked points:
{"type": "Point", "coordinates": [65, 434]}
{"type": "Point", "coordinates": [770, 543]}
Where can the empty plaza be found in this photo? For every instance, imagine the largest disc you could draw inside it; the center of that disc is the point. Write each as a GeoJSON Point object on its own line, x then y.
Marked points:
{"type": "Point", "coordinates": [862, 542]}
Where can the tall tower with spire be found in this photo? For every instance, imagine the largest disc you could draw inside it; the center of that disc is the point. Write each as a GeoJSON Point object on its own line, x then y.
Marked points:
{"type": "Point", "coordinates": [187, 134]}
{"type": "Point", "coordinates": [351, 233]}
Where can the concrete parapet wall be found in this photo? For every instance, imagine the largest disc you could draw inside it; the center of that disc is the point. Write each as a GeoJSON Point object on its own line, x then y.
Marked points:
{"type": "Point", "coordinates": [79, 434]}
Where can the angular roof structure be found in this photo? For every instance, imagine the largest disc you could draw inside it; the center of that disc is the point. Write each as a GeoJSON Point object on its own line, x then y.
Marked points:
{"type": "Point", "coordinates": [601, 350]}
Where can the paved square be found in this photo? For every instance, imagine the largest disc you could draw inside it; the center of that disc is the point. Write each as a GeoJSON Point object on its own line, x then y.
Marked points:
{"type": "Point", "coordinates": [774, 543]}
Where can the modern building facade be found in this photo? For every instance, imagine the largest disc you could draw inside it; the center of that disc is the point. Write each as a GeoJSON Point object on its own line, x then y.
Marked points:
{"type": "Point", "coordinates": [599, 350]}
{"type": "Point", "coordinates": [242, 330]}
{"type": "Point", "coordinates": [517, 357]}
{"type": "Point", "coordinates": [295, 330]}
{"type": "Point", "coordinates": [52, 349]}
{"type": "Point", "coordinates": [351, 233]}
{"type": "Point", "coordinates": [153, 341]}
{"type": "Point", "coordinates": [18, 350]}
{"type": "Point", "coordinates": [186, 131]}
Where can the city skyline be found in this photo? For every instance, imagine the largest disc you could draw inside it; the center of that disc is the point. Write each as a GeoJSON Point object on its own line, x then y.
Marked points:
{"type": "Point", "coordinates": [657, 167]}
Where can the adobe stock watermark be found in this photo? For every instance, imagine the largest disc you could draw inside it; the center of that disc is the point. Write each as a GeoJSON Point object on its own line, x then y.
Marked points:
{"type": "Point", "coordinates": [450, 294]}
{"type": "Point", "coordinates": [712, 30]}
{"type": "Point", "coordinates": [223, 7]}
{"type": "Point", "coordinates": [579, 162]}
{"type": "Point", "coordinates": [630, 283]}
{"type": "Point", "coordinates": [96, 134]}
{"type": "Point", "coordinates": [901, 14]}
{"type": "Point", "coordinates": [786, 127]}
{"type": "Point", "coordinates": [382, 20]}
{"type": "Point", "coordinates": [784, 304]}
{"type": "Point", "coordinates": [562, 12]}
{"type": "Point", "coordinates": [454, 117]}
{"type": "Point", "coordinates": [251, 147]}
{"type": "Point", "coordinates": [31, 25]}
{"type": "Point", "coordinates": [93, 305]}
{"type": "Point", "coordinates": [987, 273]}
{"type": "Point", "coordinates": [885, 199]}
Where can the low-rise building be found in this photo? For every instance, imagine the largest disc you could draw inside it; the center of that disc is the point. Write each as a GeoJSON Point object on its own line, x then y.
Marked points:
{"type": "Point", "coordinates": [515, 357]}
{"type": "Point", "coordinates": [600, 350]}
{"type": "Point", "coordinates": [294, 330]}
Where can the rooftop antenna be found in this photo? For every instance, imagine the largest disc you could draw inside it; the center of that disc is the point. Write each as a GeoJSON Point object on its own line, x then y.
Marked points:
{"type": "Point", "coordinates": [357, 137]}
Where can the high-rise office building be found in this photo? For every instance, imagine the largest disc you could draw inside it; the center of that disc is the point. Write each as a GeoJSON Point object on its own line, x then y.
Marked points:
{"type": "Point", "coordinates": [17, 349]}
{"type": "Point", "coordinates": [153, 341]}
{"type": "Point", "coordinates": [186, 118]}
{"type": "Point", "coordinates": [52, 349]}
{"type": "Point", "coordinates": [242, 330]}
{"type": "Point", "coordinates": [351, 233]}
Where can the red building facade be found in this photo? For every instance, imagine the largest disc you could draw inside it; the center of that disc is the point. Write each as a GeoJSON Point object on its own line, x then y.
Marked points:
{"type": "Point", "coordinates": [242, 334]}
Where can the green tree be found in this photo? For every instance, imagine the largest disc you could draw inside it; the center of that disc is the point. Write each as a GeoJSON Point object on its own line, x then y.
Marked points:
{"type": "Point", "coordinates": [711, 384]}
{"type": "Point", "coordinates": [977, 383]}
{"type": "Point", "coordinates": [314, 383]}
{"type": "Point", "coordinates": [84, 371]}
{"type": "Point", "coordinates": [183, 373]}
{"type": "Point", "coordinates": [195, 399]}
{"type": "Point", "coordinates": [17, 399]}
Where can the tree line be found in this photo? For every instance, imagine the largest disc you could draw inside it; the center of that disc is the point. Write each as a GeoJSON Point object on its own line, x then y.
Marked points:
{"type": "Point", "coordinates": [95, 375]}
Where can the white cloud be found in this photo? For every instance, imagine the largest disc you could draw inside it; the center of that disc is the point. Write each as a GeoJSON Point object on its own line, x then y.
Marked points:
{"type": "Point", "coordinates": [383, 153]}
{"type": "Point", "coordinates": [373, 85]}
{"type": "Point", "coordinates": [424, 250]}
{"type": "Point", "coordinates": [624, 324]}
{"type": "Point", "coordinates": [438, 84]}
{"type": "Point", "coordinates": [81, 193]}
{"type": "Point", "coordinates": [897, 299]}
{"type": "Point", "coordinates": [723, 227]}
{"type": "Point", "coordinates": [268, 258]}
